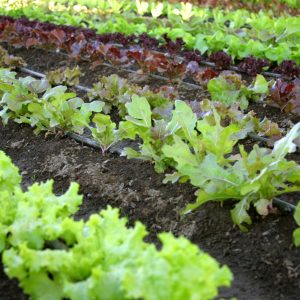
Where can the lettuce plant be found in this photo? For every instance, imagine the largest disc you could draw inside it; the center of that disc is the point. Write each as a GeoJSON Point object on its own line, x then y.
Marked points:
{"type": "Point", "coordinates": [67, 76]}
{"type": "Point", "coordinates": [139, 124]}
{"type": "Point", "coordinates": [229, 88]}
{"type": "Point", "coordinates": [55, 257]}
{"type": "Point", "coordinates": [9, 174]}
{"type": "Point", "coordinates": [58, 110]}
{"type": "Point", "coordinates": [253, 178]}
{"type": "Point", "coordinates": [116, 91]}
{"type": "Point", "coordinates": [155, 133]}
{"type": "Point", "coordinates": [54, 110]}
{"type": "Point", "coordinates": [104, 132]}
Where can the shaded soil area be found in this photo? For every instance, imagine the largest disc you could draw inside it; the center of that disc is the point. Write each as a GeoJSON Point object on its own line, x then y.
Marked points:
{"type": "Point", "coordinates": [264, 261]}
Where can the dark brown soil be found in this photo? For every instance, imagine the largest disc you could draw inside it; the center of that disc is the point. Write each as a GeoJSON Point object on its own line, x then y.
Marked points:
{"type": "Point", "coordinates": [264, 261]}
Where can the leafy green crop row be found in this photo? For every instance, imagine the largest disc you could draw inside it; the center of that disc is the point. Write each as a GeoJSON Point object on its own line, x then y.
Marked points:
{"type": "Point", "coordinates": [199, 149]}
{"type": "Point", "coordinates": [156, 8]}
{"type": "Point", "coordinates": [290, 3]}
{"type": "Point", "coordinates": [201, 144]}
{"type": "Point", "coordinates": [55, 109]}
{"type": "Point", "coordinates": [240, 33]}
{"type": "Point", "coordinates": [55, 257]}
{"type": "Point", "coordinates": [227, 88]}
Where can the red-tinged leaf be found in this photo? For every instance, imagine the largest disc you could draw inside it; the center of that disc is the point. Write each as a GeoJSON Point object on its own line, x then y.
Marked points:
{"type": "Point", "coordinates": [149, 61]}
{"type": "Point", "coordinates": [96, 55]}
{"type": "Point", "coordinates": [286, 88]}
{"type": "Point", "coordinates": [59, 35]}
{"type": "Point", "coordinates": [288, 68]}
{"type": "Point", "coordinates": [149, 65]}
{"type": "Point", "coordinates": [295, 99]}
{"type": "Point", "coordinates": [75, 37]}
{"type": "Point", "coordinates": [31, 42]}
{"type": "Point", "coordinates": [172, 47]}
{"type": "Point", "coordinates": [90, 50]}
{"type": "Point", "coordinates": [114, 52]}
{"type": "Point", "coordinates": [74, 44]}
{"type": "Point", "coordinates": [16, 41]}
{"type": "Point", "coordinates": [104, 48]}
{"type": "Point", "coordinates": [116, 56]}
{"type": "Point", "coordinates": [148, 42]}
{"type": "Point", "coordinates": [209, 73]}
{"type": "Point", "coordinates": [159, 60]}
{"type": "Point", "coordinates": [194, 55]}
{"type": "Point", "coordinates": [34, 32]}
{"type": "Point", "coordinates": [2, 26]}
{"type": "Point", "coordinates": [42, 37]}
{"type": "Point", "coordinates": [286, 95]}
{"type": "Point", "coordinates": [9, 33]}
{"type": "Point", "coordinates": [176, 71]}
{"type": "Point", "coordinates": [158, 56]}
{"type": "Point", "coordinates": [282, 88]}
{"type": "Point", "coordinates": [205, 75]}
{"type": "Point", "coordinates": [137, 55]}
{"type": "Point", "coordinates": [221, 59]}
{"type": "Point", "coordinates": [253, 66]}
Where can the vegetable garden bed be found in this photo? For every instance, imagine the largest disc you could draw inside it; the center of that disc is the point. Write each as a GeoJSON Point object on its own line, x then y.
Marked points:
{"type": "Point", "coordinates": [260, 259]}
{"type": "Point", "coordinates": [133, 186]}
{"type": "Point", "coordinates": [220, 166]}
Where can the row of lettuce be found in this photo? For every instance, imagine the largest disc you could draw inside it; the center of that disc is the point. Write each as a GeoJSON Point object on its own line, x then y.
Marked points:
{"type": "Point", "coordinates": [227, 89]}
{"type": "Point", "coordinates": [171, 137]}
{"type": "Point", "coordinates": [226, 86]}
{"type": "Point", "coordinates": [55, 257]}
{"type": "Point", "coordinates": [155, 9]}
{"type": "Point", "coordinates": [149, 7]}
{"type": "Point", "coordinates": [239, 33]}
